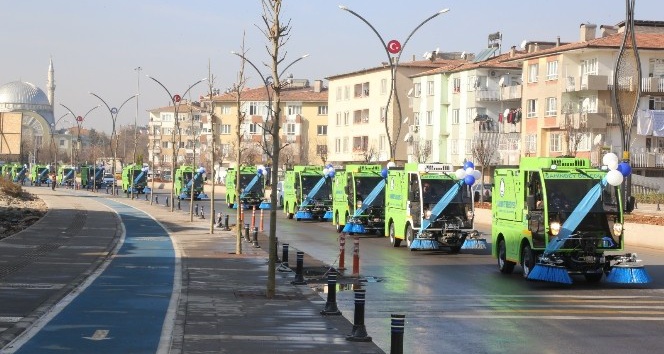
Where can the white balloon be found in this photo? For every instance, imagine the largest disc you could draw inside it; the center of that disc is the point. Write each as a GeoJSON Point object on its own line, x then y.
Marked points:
{"type": "Point", "coordinates": [326, 171]}
{"type": "Point", "coordinates": [460, 173]}
{"type": "Point", "coordinates": [609, 158]}
{"type": "Point", "coordinates": [469, 171]}
{"type": "Point", "coordinates": [477, 174]}
{"type": "Point", "coordinates": [612, 165]}
{"type": "Point", "coordinates": [614, 177]}
{"type": "Point", "coordinates": [391, 164]}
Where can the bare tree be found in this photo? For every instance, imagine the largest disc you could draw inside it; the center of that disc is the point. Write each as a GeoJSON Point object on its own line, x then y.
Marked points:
{"type": "Point", "coordinates": [321, 150]}
{"type": "Point", "coordinates": [288, 156]}
{"type": "Point", "coordinates": [369, 154]}
{"type": "Point", "coordinates": [574, 129]}
{"type": "Point", "coordinates": [422, 150]}
{"type": "Point", "coordinates": [237, 89]}
{"type": "Point", "coordinates": [484, 150]}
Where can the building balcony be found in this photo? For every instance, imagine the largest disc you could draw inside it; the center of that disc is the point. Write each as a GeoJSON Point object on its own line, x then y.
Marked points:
{"type": "Point", "coordinates": [588, 83]}
{"type": "Point", "coordinates": [647, 159]}
{"type": "Point", "coordinates": [510, 93]}
{"type": "Point", "coordinates": [487, 95]}
{"type": "Point", "coordinates": [652, 85]}
{"type": "Point", "coordinates": [585, 120]}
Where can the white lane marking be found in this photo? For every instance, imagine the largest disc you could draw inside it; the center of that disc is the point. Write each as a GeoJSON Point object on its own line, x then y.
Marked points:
{"type": "Point", "coordinates": [100, 334]}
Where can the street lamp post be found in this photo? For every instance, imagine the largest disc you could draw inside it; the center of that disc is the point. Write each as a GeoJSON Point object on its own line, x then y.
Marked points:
{"type": "Point", "coordinates": [176, 100]}
{"type": "Point", "coordinates": [55, 147]}
{"type": "Point", "coordinates": [391, 48]}
{"type": "Point", "coordinates": [138, 91]}
{"type": "Point", "coordinates": [114, 115]}
{"type": "Point", "coordinates": [154, 135]}
{"type": "Point", "coordinates": [79, 124]}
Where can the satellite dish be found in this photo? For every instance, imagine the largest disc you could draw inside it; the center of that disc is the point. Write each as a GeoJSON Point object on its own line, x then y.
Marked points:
{"type": "Point", "coordinates": [410, 92]}
{"type": "Point", "coordinates": [463, 55]}
{"type": "Point", "coordinates": [501, 82]}
{"type": "Point", "coordinates": [598, 139]}
{"type": "Point", "coordinates": [523, 44]}
{"type": "Point", "coordinates": [426, 55]}
{"type": "Point", "coordinates": [406, 137]}
{"type": "Point", "coordinates": [405, 120]}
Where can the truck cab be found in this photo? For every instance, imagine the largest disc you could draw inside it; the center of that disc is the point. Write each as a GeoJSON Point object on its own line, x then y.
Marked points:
{"type": "Point", "coordinates": [252, 187]}
{"type": "Point", "coordinates": [351, 188]}
{"type": "Point", "coordinates": [307, 193]}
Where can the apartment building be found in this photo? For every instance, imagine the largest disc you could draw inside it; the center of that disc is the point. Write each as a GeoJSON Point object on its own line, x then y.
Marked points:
{"type": "Point", "coordinates": [303, 129]}
{"type": "Point", "coordinates": [178, 126]}
{"type": "Point", "coordinates": [567, 104]}
{"type": "Point", "coordinates": [360, 117]}
{"type": "Point", "coordinates": [468, 109]}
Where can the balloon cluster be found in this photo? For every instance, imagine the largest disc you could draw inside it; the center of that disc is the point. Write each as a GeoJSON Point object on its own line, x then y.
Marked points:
{"type": "Point", "coordinates": [145, 169]}
{"type": "Point", "coordinates": [261, 170]}
{"type": "Point", "coordinates": [468, 173]}
{"type": "Point", "coordinates": [617, 170]}
{"type": "Point", "coordinates": [328, 171]}
{"type": "Point", "coordinates": [201, 170]}
{"type": "Point", "coordinates": [385, 170]}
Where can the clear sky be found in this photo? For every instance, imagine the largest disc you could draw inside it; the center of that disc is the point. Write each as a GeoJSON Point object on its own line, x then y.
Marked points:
{"type": "Point", "coordinates": [96, 45]}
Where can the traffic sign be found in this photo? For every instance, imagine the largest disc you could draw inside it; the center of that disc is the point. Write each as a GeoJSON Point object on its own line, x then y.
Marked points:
{"type": "Point", "coordinates": [393, 46]}
{"type": "Point", "coordinates": [176, 98]}
{"type": "Point", "coordinates": [79, 119]}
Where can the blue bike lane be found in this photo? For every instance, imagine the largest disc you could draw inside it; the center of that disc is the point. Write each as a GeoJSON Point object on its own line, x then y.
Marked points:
{"type": "Point", "coordinates": [125, 308]}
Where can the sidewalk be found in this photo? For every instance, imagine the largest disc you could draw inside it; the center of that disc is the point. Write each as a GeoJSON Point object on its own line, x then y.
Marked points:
{"type": "Point", "coordinates": [222, 306]}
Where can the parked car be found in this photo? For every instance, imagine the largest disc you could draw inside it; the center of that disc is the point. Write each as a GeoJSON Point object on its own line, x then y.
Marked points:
{"type": "Point", "coordinates": [487, 191]}
{"type": "Point", "coordinates": [108, 179]}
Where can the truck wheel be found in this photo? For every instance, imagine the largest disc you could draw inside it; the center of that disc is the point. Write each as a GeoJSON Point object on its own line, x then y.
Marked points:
{"type": "Point", "coordinates": [528, 260]}
{"type": "Point", "coordinates": [455, 249]}
{"type": "Point", "coordinates": [593, 277]}
{"type": "Point", "coordinates": [410, 236]}
{"type": "Point", "coordinates": [336, 221]}
{"type": "Point", "coordinates": [288, 213]}
{"type": "Point", "coordinates": [505, 266]}
{"type": "Point", "coordinates": [229, 204]}
{"type": "Point", "coordinates": [394, 241]}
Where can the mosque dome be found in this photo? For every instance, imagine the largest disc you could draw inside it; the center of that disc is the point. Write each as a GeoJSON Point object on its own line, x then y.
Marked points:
{"type": "Point", "coordinates": [24, 94]}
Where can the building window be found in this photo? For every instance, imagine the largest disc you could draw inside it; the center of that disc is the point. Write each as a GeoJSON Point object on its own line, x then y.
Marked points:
{"type": "Point", "coordinates": [454, 145]}
{"type": "Point", "coordinates": [225, 109]}
{"type": "Point", "coordinates": [430, 88]}
{"type": "Point", "coordinates": [225, 129]}
{"type": "Point", "coordinates": [472, 83]}
{"type": "Point", "coordinates": [361, 116]}
{"type": "Point", "coordinates": [361, 90]}
{"type": "Point", "coordinates": [429, 118]}
{"type": "Point", "coordinates": [588, 104]}
{"type": "Point", "coordinates": [253, 108]}
{"type": "Point", "coordinates": [456, 83]}
{"type": "Point", "coordinates": [337, 145]}
{"type": "Point", "coordinates": [416, 118]}
{"type": "Point", "coordinates": [338, 95]}
{"type": "Point", "coordinates": [417, 89]}
{"type": "Point", "coordinates": [290, 128]}
{"type": "Point", "coordinates": [338, 119]}
{"type": "Point", "coordinates": [554, 142]}
{"type": "Point", "coordinates": [346, 118]}
{"type": "Point", "coordinates": [383, 86]}
{"type": "Point", "coordinates": [346, 92]}
{"type": "Point", "coordinates": [455, 116]}
{"type": "Point", "coordinates": [552, 70]}
{"type": "Point", "coordinates": [360, 143]}
{"type": "Point", "coordinates": [382, 143]}
{"type": "Point", "coordinates": [531, 143]}
{"type": "Point", "coordinates": [584, 142]}
{"type": "Point", "coordinates": [321, 150]}
{"type": "Point", "coordinates": [531, 108]}
{"type": "Point", "coordinates": [225, 149]}
{"type": "Point", "coordinates": [253, 128]}
{"type": "Point", "coordinates": [589, 67]}
{"type": "Point", "coordinates": [321, 130]}
{"type": "Point", "coordinates": [322, 110]}
{"type": "Point", "coordinates": [345, 144]}
{"type": "Point", "coordinates": [293, 109]}
{"type": "Point", "coordinates": [382, 114]}
{"type": "Point", "coordinates": [551, 106]}
{"type": "Point", "coordinates": [533, 71]}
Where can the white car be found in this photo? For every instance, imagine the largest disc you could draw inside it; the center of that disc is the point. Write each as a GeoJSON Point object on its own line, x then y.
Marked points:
{"type": "Point", "coordinates": [280, 194]}
{"type": "Point", "coordinates": [108, 179]}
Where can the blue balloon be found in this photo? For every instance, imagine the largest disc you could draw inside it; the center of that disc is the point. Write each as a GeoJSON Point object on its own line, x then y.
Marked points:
{"type": "Point", "coordinates": [468, 164]}
{"type": "Point", "coordinates": [384, 173]}
{"type": "Point", "coordinates": [469, 180]}
{"type": "Point", "coordinates": [331, 174]}
{"type": "Point", "coordinates": [625, 169]}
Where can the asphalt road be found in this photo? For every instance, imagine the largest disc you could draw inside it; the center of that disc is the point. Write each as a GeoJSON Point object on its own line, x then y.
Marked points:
{"type": "Point", "coordinates": [461, 303]}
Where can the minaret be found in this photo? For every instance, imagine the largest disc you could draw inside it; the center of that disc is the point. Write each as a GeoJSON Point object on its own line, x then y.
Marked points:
{"type": "Point", "coordinates": [50, 85]}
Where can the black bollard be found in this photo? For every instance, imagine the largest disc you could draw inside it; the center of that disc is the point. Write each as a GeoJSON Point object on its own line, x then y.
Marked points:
{"type": "Point", "coordinates": [106, 189]}
{"type": "Point", "coordinates": [156, 199]}
{"type": "Point", "coordinates": [359, 333]}
{"type": "Point", "coordinates": [331, 308]}
{"type": "Point", "coordinates": [196, 209]}
{"type": "Point", "coordinates": [226, 227]}
{"type": "Point", "coordinates": [246, 233]}
{"type": "Point", "coordinates": [398, 324]}
{"type": "Point", "coordinates": [179, 204]}
{"type": "Point", "coordinates": [146, 197]}
{"type": "Point", "coordinates": [202, 212]}
{"type": "Point", "coordinates": [255, 238]}
{"type": "Point", "coordinates": [284, 255]}
{"type": "Point", "coordinates": [167, 198]}
{"type": "Point", "coordinates": [299, 277]}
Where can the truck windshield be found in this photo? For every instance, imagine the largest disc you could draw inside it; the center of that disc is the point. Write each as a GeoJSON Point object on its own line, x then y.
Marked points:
{"type": "Point", "coordinates": [364, 185]}
{"type": "Point", "coordinates": [434, 189]}
{"type": "Point", "coordinates": [564, 195]}
{"type": "Point", "coordinates": [309, 182]}
{"type": "Point", "coordinates": [257, 188]}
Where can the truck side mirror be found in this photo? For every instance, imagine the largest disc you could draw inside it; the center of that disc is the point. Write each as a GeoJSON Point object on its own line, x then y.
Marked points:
{"type": "Point", "coordinates": [629, 205]}
{"type": "Point", "coordinates": [530, 202]}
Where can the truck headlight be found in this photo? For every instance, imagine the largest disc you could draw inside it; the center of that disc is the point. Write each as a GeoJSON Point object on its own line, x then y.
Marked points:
{"type": "Point", "coordinates": [470, 214]}
{"type": "Point", "coordinates": [359, 204]}
{"type": "Point", "coordinates": [555, 228]}
{"type": "Point", "coordinates": [617, 229]}
{"type": "Point", "coordinates": [427, 214]}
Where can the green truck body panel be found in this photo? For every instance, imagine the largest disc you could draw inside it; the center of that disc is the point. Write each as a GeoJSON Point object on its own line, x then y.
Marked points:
{"type": "Point", "coordinates": [183, 175]}
{"type": "Point", "coordinates": [529, 199]}
{"type": "Point", "coordinates": [408, 202]}
{"type": "Point", "coordinates": [298, 183]}
{"type": "Point", "coordinates": [351, 185]}
{"type": "Point", "coordinates": [66, 176]}
{"type": "Point", "coordinates": [91, 174]}
{"type": "Point", "coordinates": [251, 198]}
{"type": "Point", "coordinates": [134, 173]}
